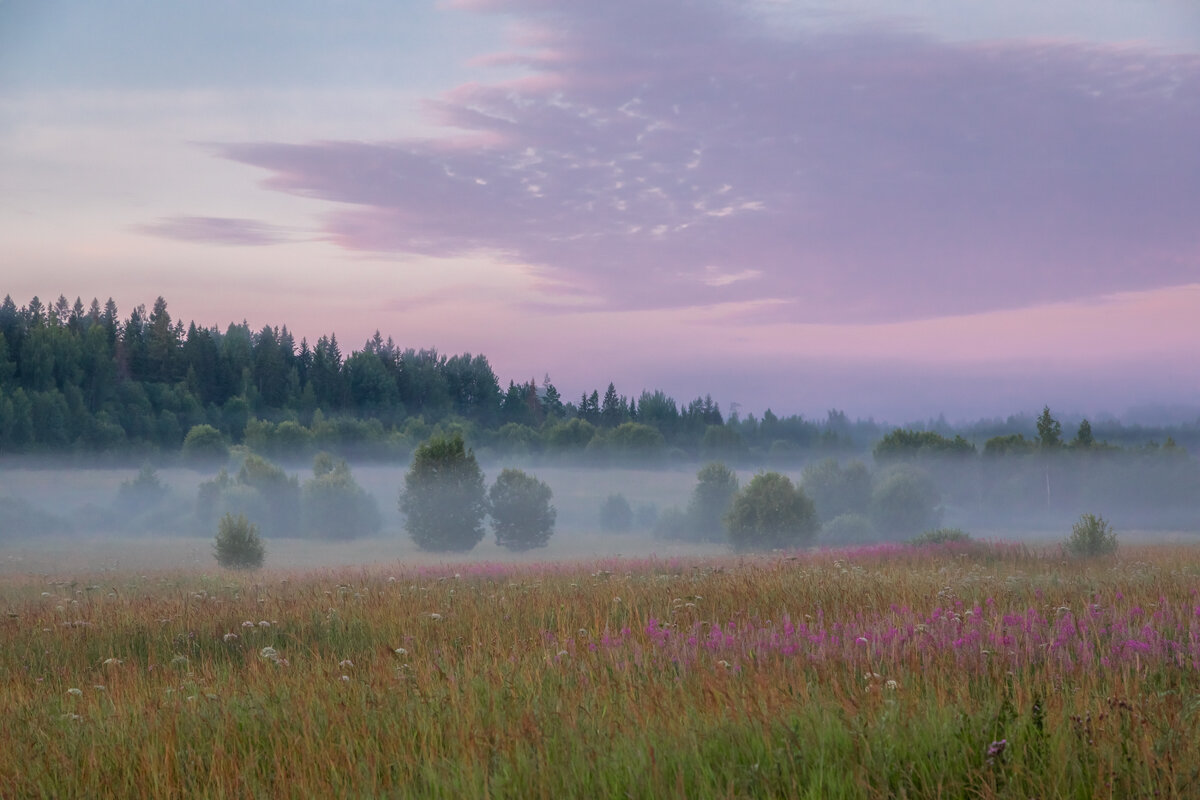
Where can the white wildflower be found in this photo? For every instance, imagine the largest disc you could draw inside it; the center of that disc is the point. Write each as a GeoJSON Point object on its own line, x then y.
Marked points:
{"type": "Point", "coordinates": [345, 677]}
{"type": "Point", "coordinates": [345, 663]}
{"type": "Point", "coordinates": [112, 662]}
{"type": "Point", "coordinates": [75, 692]}
{"type": "Point", "coordinates": [400, 651]}
{"type": "Point", "coordinates": [435, 616]}
{"type": "Point", "coordinates": [264, 624]}
{"type": "Point", "coordinates": [891, 684]}
{"type": "Point", "coordinates": [269, 652]}
{"type": "Point", "coordinates": [247, 624]}
{"type": "Point", "coordinates": [230, 637]}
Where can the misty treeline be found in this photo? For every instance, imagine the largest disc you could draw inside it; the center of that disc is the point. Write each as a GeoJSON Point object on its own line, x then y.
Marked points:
{"type": "Point", "coordinates": [83, 381]}
{"type": "Point", "coordinates": [80, 379]}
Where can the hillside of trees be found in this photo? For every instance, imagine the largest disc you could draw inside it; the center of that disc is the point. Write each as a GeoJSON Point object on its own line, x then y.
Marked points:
{"type": "Point", "coordinates": [83, 381]}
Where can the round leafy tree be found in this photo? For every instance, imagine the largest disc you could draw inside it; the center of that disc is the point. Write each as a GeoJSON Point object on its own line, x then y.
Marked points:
{"type": "Point", "coordinates": [716, 486]}
{"type": "Point", "coordinates": [522, 516]}
{"type": "Point", "coordinates": [771, 512]}
{"type": "Point", "coordinates": [238, 545]}
{"type": "Point", "coordinates": [443, 497]}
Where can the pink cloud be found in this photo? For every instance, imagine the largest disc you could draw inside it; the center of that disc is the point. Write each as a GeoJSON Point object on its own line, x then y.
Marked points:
{"type": "Point", "coordinates": [858, 176]}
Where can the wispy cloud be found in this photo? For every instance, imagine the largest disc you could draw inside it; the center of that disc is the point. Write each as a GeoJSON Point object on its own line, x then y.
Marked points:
{"type": "Point", "coordinates": [218, 230]}
{"type": "Point", "coordinates": [859, 175]}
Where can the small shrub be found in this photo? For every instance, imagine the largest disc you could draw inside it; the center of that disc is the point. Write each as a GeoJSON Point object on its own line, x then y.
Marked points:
{"type": "Point", "coordinates": [616, 515]}
{"type": "Point", "coordinates": [238, 545]}
{"type": "Point", "coordinates": [1091, 536]}
{"type": "Point", "coordinates": [941, 536]}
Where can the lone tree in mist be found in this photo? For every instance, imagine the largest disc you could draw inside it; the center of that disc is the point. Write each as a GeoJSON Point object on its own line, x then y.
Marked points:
{"type": "Point", "coordinates": [443, 497]}
{"type": "Point", "coordinates": [716, 486]}
{"type": "Point", "coordinates": [771, 512]}
{"type": "Point", "coordinates": [238, 545]}
{"type": "Point", "coordinates": [522, 516]}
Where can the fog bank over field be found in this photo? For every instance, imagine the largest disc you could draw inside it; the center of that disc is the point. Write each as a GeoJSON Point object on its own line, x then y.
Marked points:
{"type": "Point", "coordinates": [63, 518]}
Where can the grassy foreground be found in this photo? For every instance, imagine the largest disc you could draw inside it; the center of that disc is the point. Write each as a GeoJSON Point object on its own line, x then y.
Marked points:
{"type": "Point", "coordinates": [989, 671]}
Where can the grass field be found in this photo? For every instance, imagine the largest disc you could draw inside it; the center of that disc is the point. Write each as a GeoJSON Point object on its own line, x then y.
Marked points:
{"type": "Point", "coordinates": [986, 671]}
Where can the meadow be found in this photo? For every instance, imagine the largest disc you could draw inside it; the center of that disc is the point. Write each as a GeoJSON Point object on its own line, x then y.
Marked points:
{"type": "Point", "coordinates": [978, 670]}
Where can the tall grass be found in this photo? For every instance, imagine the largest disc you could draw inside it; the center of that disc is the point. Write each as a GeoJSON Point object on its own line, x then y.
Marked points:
{"type": "Point", "coordinates": [940, 671]}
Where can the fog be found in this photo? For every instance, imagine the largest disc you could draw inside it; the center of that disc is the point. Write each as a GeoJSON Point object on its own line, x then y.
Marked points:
{"type": "Point", "coordinates": [56, 518]}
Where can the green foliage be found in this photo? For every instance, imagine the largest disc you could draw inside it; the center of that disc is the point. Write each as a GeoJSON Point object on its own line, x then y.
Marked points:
{"type": "Point", "coordinates": [333, 505]}
{"type": "Point", "coordinates": [204, 443]}
{"type": "Point", "coordinates": [771, 512]}
{"type": "Point", "coordinates": [1049, 430]}
{"type": "Point", "coordinates": [443, 497]}
{"type": "Point", "coordinates": [907, 444]}
{"type": "Point", "coordinates": [941, 536]}
{"type": "Point", "coordinates": [1012, 444]}
{"type": "Point", "coordinates": [616, 515]}
{"type": "Point", "coordinates": [522, 516]}
{"type": "Point", "coordinates": [143, 492]}
{"type": "Point", "coordinates": [1084, 437]}
{"type": "Point", "coordinates": [238, 545]}
{"type": "Point", "coordinates": [836, 490]}
{"type": "Point", "coordinates": [848, 529]}
{"type": "Point", "coordinates": [904, 502]}
{"type": "Point", "coordinates": [716, 486]}
{"type": "Point", "coordinates": [1091, 536]}
{"type": "Point", "coordinates": [261, 491]}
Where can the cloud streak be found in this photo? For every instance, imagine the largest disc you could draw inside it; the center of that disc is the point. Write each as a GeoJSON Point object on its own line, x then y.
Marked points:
{"type": "Point", "coordinates": [669, 154]}
{"type": "Point", "coordinates": [218, 230]}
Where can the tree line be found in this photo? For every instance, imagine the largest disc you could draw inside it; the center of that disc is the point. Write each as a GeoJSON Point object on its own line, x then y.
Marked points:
{"type": "Point", "coordinates": [76, 378]}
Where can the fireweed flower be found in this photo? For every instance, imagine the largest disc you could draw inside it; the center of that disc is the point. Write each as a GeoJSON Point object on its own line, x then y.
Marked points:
{"type": "Point", "coordinates": [996, 749]}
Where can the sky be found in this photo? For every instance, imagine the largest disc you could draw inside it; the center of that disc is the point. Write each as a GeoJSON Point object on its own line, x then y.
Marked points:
{"type": "Point", "coordinates": [899, 209]}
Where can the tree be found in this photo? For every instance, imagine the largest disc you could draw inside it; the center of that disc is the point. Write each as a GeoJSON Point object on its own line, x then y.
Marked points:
{"type": "Point", "coordinates": [1084, 438]}
{"type": "Point", "coordinates": [837, 490]}
{"type": "Point", "coordinates": [716, 486]}
{"type": "Point", "coordinates": [522, 516]}
{"type": "Point", "coordinates": [905, 502]}
{"type": "Point", "coordinates": [771, 512]}
{"type": "Point", "coordinates": [333, 505]}
{"type": "Point", "coordinates": [616, 515]}
{"type": "Point", "coordinates": [205, 443]}
{"type": "Point", "coordinates": [443, 498]}
{"type": "Point", "coordinates": [1049, 430]}
{"type": "Point", "coordinates": [238, 545]}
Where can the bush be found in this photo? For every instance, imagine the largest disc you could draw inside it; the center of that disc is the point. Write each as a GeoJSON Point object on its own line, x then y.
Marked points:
{"type": "Point", "coordinates": [616, 515]}
{"type": "Point", "coordinates": [238, 545]}
{"type": "Point", "coordinates": [333, 505]}
{"type": "Point", "coordinates": [716, 486]}
{"type": "Point", "coordinates": [849, 529]}
{"type": "Point", "coordinates": [770, 513]}
{"type": "Point", "coordinates": [522, 516]}
{"type": "Point", "coordinates": [443, 499]}
{"type": "Point", "coordinates": [1091, 536]}
{"type": "Point", "coordinates": [941, 536]}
